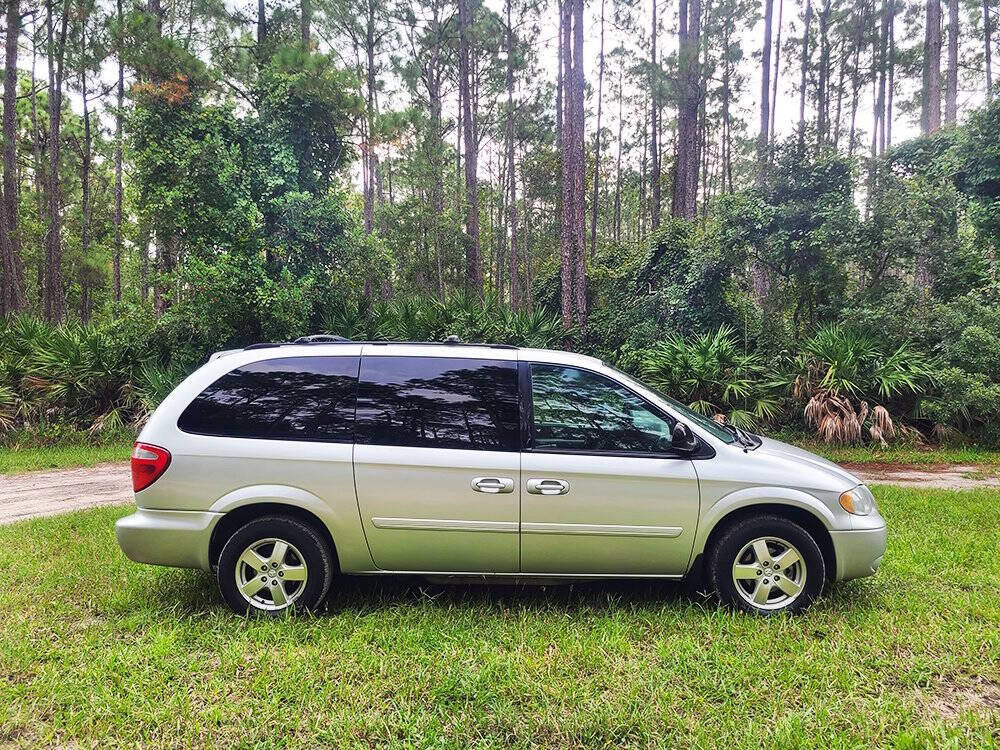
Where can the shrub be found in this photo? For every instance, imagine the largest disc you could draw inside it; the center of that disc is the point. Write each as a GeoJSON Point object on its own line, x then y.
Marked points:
{"type": "Point", "coordinates": [850, 382]}
{"type": "Point", "coordinates": [78, 374]}
{"type": "Point", "coordinates": [713, 374]}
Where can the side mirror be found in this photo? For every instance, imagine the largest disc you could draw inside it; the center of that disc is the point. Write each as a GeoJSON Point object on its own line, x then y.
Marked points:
{"type": "Point", "coordinates": [682, 439]}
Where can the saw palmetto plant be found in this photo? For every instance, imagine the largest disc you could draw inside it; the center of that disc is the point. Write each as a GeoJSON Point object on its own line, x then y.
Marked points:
{"type": "Point", "coordinates": [713, 374]}
{"type": "Point", "coordinates": [852, 384]}
{"type": "Point", "coordinates": [74, 373]}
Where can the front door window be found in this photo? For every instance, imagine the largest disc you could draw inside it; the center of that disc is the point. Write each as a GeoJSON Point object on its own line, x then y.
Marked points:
{"type": "Point", "coordinates": [580, 411]}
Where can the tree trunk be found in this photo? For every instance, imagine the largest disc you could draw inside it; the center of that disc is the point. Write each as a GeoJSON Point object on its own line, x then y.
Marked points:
{"type": "Point", "coordinates": [560, 52]}
{"type": "Point", "coordinates": [855, 83]}
{"type": "Point", "coordinates": [618, 161]}
{"type": "Point", "coordinates": [512, 228]}
{"type": "Point", "coordinates": [878, 116]}
{"type": "Point", "coordinates": [765, 91]}
{"type": "Point", "coordinates": [758, 272]}
{"type": "Point", "coordinates": [39, 168]}
{"type": "Point", "coordinates": [261, 28]}
{"type": "Point", "coordinates": [597, 142]}
{"type": "Point", "coordinates": [822, 99]}
{"type": "Point", "coordinates": [654, 90]}
{"type": "Point", "coordinates": [646, 111]}
{"type": "Point", "coordinates": [777, 69]}
{"type": "Point", "coordinates": [55, 299]}
{"type": "Point", "coordinates": [579, 169]}
{"type": "Point", "coordinates": [473, 252]}
{"type": "Point", "coordinates": [11, 270]}
{"type": "Point", "coordinates": [988, 49]}
{"type": "Point", "coordinates": [436, 145]}
{"type": "Point", "coordinates": [305, 21]}
{"type": "Point", "coordinates": [371, 157]}
{"type": "Point", "coordinates": [805, 77]}
{"type": "Point", "coordinates": [684, 204]}
{"type": "Point", "coordinates": [153, 8]}
{"type": "Point", "coordinates": [930, 110]}
{"type": "Point", "coordinates": [525, 250]}
{"type": "Point", "coordinates": [85, 162]}
{"type": "Point", "coordinates": [119, 192]}
{"type": "Point", "coordinates": [837, 122]}
{"type": "Point", "coordinates": [930, 120]}
{"type": "Point", "coordinates": [566, 276]}
{"type": "Point", "coordinates": [892, 73]}
{"type": "Point", "coordinates": [951, 100]}
{"type": "Point", "coordinates": [726, 148]}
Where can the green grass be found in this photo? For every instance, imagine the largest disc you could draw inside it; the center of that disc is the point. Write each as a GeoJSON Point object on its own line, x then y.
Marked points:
{"type": "Point", "coordinates": [97, 651]}
{"type": "Point", "coordinates": [866, 454]}
{"type": "Point", "coordinates": [14, 460]}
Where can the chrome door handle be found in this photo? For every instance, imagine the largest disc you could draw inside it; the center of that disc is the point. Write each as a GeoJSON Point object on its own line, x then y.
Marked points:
{"type": "Point", "coordinates": [493, 485]}
{"type": "Point", "coordinates": [548, 486]}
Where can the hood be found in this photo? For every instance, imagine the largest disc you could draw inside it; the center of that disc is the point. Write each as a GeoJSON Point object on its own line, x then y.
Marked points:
{"type": "Point", "coordinates": [797, 456]}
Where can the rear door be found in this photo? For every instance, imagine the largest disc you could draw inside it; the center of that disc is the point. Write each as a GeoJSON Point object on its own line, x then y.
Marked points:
{"type": "Point", "coordinates": [603, 491]}
{"type": "Point", "coordinates": [436, 461]}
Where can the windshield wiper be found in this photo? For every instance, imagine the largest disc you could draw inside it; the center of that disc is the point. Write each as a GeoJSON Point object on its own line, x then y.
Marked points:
{"type": "Point", "coordinates": [745, 438]}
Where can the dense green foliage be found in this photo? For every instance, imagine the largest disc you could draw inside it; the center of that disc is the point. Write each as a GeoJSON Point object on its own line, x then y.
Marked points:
{"type": "Point", "coordinates": [846, 341]}
{"type": "Point", "coordinates": [856, 297]}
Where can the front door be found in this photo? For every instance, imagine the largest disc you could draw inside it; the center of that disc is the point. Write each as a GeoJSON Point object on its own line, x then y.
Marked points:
{"type": "Point", "coordinates": [602, 490]}
{"type": "Point", "coordinates": [436, 462]}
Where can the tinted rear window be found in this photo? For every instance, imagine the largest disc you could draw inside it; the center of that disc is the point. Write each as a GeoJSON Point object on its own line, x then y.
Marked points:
{"type": "Point", "coordinates": [293, 398]}
{"type": "Point", "coordinates": [438, 402]}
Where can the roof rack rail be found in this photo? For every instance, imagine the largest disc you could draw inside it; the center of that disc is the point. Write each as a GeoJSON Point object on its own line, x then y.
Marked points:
{"type": "Point", "coordinates": [439, 343]}
{"type": "Point", "coordinates": [263, 345]}
{"type": "Point", "coordinates": [324, 338]}
{"type": "Point", "coordinates": [321, 338]}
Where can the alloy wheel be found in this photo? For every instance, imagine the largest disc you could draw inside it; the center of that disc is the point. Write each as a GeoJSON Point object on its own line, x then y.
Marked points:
{"type": "Point", "coordinates": [271, 574]}
{"type": "Point", "coordinates": [769, 573]}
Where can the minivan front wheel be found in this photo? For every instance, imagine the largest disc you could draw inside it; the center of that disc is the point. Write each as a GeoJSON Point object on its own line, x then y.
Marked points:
{"type": "Point", "coordinates": [273, 565]}
{"type": "Point", "coordinates": [767, 564]}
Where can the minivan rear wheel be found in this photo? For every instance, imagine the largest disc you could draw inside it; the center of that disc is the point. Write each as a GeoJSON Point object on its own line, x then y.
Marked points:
{"type": "Point", "coordinates": [273, 565]}
{"type": "Point", "coordinates": [766, 565]}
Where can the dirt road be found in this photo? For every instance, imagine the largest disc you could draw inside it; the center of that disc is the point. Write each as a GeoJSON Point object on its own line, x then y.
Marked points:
{"type": "Point", "coordinates": [944, 477]}
{"type": "Point", "coordinates": [45, 493]}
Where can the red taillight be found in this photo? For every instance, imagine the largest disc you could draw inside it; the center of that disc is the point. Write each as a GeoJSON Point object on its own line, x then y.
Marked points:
{"type": "Point", "coordinates": [148, 463]}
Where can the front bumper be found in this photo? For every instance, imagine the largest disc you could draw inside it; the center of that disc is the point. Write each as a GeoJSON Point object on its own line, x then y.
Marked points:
{"type": "Point", "coordinates": [859, 552]}
{"type": "Point", "coordinates": [178, 538]}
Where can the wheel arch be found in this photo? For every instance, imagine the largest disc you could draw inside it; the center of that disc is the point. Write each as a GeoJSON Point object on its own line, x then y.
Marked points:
{"type": "Point", "coordinates": [808, 514]}
{"type": "Point", "coordinates": [244, 514]}
{"type": "Point", "coordinates": [336, 519]}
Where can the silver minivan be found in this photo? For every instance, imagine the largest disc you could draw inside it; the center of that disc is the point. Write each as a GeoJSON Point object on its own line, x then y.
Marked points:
{"type": "Point", "coordinates": [279, 466]}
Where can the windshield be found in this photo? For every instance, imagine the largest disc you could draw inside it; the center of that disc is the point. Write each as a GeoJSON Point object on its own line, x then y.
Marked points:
{"type": "Point", "coordinates": [701, 420]}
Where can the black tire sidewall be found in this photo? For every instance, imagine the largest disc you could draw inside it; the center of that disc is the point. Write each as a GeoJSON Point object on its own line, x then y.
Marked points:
{"type": "Point", "coordinates": [306, 540]}
{"type": "Point", "coordinates": [733, 540]}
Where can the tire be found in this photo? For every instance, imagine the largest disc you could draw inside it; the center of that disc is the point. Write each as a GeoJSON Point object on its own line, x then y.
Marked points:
{"type": "Point", "coordinates": [297, 560]}
{"type": "Point", "coordinates": [745, 556]}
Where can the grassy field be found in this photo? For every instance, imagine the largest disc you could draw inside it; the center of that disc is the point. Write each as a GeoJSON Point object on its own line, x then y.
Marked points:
{"type": "Point", "coordinates": [97, 651]}
{"type": "Point", "coordinates": [926, 456]}
{"type": "Point", "coordinates": [896, 453]}
{"type": "Point", "coordinates": [15, 460]}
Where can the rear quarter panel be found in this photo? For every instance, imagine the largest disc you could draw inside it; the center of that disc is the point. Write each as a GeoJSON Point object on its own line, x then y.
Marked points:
{"type": "Point", "coordinates": [222, 473]}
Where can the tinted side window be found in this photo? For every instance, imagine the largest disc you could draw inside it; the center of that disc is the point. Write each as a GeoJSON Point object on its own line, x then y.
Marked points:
{"type": "Point", "coordinates": [293, 398]}
{"type": "Point", "coordinates": [438, 402]}
{"type": "Point", "coordinates": [576, 410]}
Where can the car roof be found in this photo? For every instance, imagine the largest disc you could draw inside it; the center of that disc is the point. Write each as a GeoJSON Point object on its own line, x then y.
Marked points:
{"type": "Point", "coordinates": [458, 350]}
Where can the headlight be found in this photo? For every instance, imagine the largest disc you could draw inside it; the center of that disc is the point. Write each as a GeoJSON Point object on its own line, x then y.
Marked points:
{"type": "Point", "coordinates": [858, 501]}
